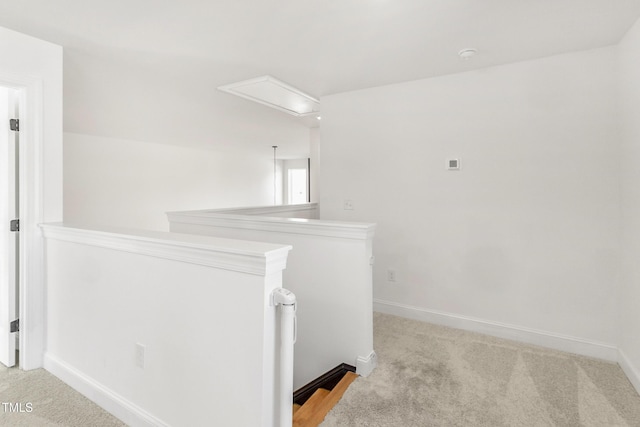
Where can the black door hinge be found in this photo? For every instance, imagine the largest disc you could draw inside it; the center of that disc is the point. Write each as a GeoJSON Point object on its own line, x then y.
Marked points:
{"type": "Point", "coordinates": [14, 326]}
{"type": "Point", "coordinates": [14, 124]}
{"type": "Point", "coordinates": [14, 225]}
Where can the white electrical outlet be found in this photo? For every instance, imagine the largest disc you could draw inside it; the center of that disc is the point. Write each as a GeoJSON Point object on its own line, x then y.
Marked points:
{"type": "Point", "coordinates": [391, 275]}
{"type": "Point", "coordinates": [140, 355]}
{"type": "Point", "coordinates": [348, 205]}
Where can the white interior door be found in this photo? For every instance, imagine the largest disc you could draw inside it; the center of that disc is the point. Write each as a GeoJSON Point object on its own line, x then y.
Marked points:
{"type": "Point", "coordinates": [8, 239]}
{"type": "Point", "coordinates": [297, 186]}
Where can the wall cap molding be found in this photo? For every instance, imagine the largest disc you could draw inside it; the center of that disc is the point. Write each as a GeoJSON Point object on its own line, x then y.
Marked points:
{"type": "Point", "coordinates": [265, 210]}
{"type": "Point", "coordinates": [236, 255]}
{"type": "Point", "coordinates": [512, 332]}
{"type": "Point", "coordinates": [314, 227]}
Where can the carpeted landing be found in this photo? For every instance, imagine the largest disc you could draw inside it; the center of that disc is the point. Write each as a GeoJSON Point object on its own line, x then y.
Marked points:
{"type": "Point", "coordinates": [38, 399]}
{"type": "Point", "coordinates": [429, 375]}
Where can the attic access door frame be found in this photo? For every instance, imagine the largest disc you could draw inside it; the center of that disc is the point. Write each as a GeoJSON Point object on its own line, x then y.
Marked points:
{"type": "Point", "coordinates": [29, 92]}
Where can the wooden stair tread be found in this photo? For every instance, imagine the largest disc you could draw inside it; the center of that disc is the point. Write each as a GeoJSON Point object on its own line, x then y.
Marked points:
{"type": "Point", "coordinates": [306, 412]}
{"type": "Point", "coordinates": [320, 408]}
{"type": "Point", "coordinates": [333, 398]}
{"type": "Point", "coordinates": [296, 408]}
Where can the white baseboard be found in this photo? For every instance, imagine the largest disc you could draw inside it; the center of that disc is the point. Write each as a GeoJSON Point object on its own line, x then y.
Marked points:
{"type": "Point", "coordinates": [632, 372]}
{"type": "Point", "coordinates": [366, 365]}
{"type": "Point", "coordinates": [530, 336]}
{"type": "Point", "coordinates": [110, 401]}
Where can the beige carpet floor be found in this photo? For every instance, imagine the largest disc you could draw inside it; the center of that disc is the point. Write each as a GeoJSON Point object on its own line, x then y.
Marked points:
{"type": "Point", "coordinates": [429, 375]}
{"type": "Point", "coordinates": [45, 401]}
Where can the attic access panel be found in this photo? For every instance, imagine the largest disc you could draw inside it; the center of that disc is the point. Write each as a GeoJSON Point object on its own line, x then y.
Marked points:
{"type": "Point", "coordinates": [274, 93]}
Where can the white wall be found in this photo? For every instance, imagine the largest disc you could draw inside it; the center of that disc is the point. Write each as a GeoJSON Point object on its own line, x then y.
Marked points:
{"type": "Point", "coordinates": [315, 164]}
{"type": "Point", "coordinates": [131, 183]}
{"type": "Point", "coordinates": [629, 318]}
{"type": "Point", "coordinates": [277, 186]}
{"type": "Point", "coordinates": [166, 137]}
{"type": "Point", "coordinates": [143, 96]}
{"type": "Point", "coordinates": [525, 235]}
{"type": "Point", "coordinates": [26, 56]}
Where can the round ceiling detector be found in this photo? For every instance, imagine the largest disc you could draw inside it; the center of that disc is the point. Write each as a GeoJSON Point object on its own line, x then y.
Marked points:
{"type": "Point", "coordinates": [467, 53]}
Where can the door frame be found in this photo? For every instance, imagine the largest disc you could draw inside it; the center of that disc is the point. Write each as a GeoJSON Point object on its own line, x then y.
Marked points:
{"type": "Point", "coordinates": [8, 238]}
{"type": "Point", "coordinates": [31, 285]}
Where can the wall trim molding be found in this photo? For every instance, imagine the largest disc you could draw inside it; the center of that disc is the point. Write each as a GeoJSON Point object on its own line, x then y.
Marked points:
{"type": "Point", "coordinates": [313, 227]}
{"type": "Point", "coordinates": [551, 340]}
{"type": "Point", "coordinates": [104, 397]}
{"type": "Point", "coordinates": [366, 365]}
{"type": "Point", "coordinates": [311, 208]}
{"type": "Point", "coordinates": [632, 372]}
{"type": "Point", "coordinates": [235, 255]}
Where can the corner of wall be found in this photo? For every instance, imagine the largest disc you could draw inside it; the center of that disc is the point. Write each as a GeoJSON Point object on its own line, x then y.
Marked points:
{"type": "Point", "coordinates": [629, 288]}
{"type": "Point", "coordinates": [366, 365]}
{"type": "Point", "coordinates": [632, 372]}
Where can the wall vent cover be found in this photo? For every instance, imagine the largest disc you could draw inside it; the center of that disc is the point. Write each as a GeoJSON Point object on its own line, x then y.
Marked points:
{"type": "Point", "coordinates": [274, 93]}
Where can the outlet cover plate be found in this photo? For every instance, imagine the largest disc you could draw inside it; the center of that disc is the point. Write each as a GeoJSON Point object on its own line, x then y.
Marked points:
{"type": "Point", "coordinates": [140, 355]}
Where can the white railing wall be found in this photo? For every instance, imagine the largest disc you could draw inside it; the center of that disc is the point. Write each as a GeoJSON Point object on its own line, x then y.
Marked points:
{"type": "Point", "coordinates": [304, 210]}
{"type": "Point", "coordinates": [329, 270]}
{"type": "Point", "coordinates": [163, 329]}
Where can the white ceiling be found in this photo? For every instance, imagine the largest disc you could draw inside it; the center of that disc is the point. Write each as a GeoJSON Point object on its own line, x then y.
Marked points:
{"type": "Point", "coordinates": [319, 46]}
